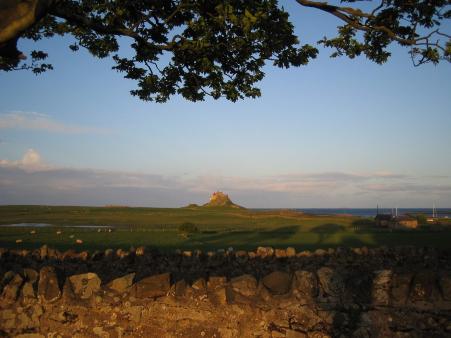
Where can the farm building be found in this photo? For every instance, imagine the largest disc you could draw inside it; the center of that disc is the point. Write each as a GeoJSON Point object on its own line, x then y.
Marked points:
{"type": "Point", "coordinates": [383, 220]}
{"type": "Point", "coordinates": [390, 221]}
{"type": "Point", "coordinates": [405, 222]}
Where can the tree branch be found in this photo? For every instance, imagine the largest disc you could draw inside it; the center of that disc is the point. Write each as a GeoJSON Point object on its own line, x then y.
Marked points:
{"type": "Point", "coordinates": [346, 14]}
{"type": "Point", "coordinates": [83, 21]}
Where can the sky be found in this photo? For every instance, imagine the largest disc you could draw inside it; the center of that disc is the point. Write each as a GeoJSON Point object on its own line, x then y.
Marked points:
{"type": "Point", "coordinates": [335, 133]}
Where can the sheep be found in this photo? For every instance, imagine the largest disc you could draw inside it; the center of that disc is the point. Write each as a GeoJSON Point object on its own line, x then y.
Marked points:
{"type": "Point", "coordinates": [59, 232]}
{"type": "Point", "coordinates": [32, 232]}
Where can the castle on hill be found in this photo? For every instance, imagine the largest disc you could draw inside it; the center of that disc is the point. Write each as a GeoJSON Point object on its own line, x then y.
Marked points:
{"type": "Point", "coordinates": [219, 199]}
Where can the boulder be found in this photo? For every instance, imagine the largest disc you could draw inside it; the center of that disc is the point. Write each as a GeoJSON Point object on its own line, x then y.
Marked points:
{"type": "Point", "coordinates": [52, 253]}
{"type": "Point", "coordinates": [109, 253]}
{"type": "Point", "coordinates": [400, 287]}
{"type": "Point", "coordinates": [280, 253]}
{"type": "Point", "coordinates": [331, 283]}
{"type": "Point", "coordinates": [218, 296]}
{"type": "Point", "coordinates": [245, 285]}
{"type": "Point", "coordinates": [304, 253]}
{"type": "Point", "coordinates": [215, 282]}
{"type": "Point", "coordinates": [43, 252]}
{"type": "Point", "coordinates": [320, 252]}
{"type": "Point", "coordinates": [445, 286]}
{"type": "Point", "coordinates": [180, 288]}
{"type": "Point", "coordinates": [7, 278]}
{"type": "Point", "coordinates": [85, 285]}
{"type": "Point", "coordinates": [83, 255]}
{"type": "Point", "coordinates": [291, 252]}
{"type": "Point", "coordinates": [68, 296]}
{"type": "Point", "coordinates": [30, 275]}
{"type": "Point", "coordinates": [217, 293]}
{"type": "Point", "coordinates": [27, 293]}
{"type": "Point", "coordinates": [122, 284]}
{"type": "Point", "coordinates": [69, 254]}
{"type": "Point", "coordinates": [381, 287]}
{"type": "Point", "coordinates": [305, 286]}
{"type": "Point", "coordinates": [423, 286]}
{"type": "Point", "coordinates": [11, 289]}
{"type": "Point", "coordinates": [264, 252]}
{"type": "Point", "coordinates": [241, 253]}
{"type": "Point", "coordinates": [153, 286]}
{"type": "Point", "coordinates": [242, 256]}
{"type": "Point", "coordinates": [277, 282]}
{"type": "Point", "coordinates": [200, 285]}
{"type": "Point", "coordinates": [48, 288]}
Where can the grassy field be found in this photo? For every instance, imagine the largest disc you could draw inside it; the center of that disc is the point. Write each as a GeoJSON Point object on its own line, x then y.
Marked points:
{"type": "Point", "coordinates": [218, 228]}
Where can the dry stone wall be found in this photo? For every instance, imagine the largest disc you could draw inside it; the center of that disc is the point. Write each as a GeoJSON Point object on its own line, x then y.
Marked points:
{"type": "Point", "coordinates": [397, 292]}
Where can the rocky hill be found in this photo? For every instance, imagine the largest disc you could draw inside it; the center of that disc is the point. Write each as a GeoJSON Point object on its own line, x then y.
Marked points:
{"type": "Point", "coordinates": [219, 199]}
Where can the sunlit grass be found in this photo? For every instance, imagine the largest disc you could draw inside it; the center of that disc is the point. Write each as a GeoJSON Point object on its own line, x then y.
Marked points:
{"type": "Point", "coordinates": [219, 228]}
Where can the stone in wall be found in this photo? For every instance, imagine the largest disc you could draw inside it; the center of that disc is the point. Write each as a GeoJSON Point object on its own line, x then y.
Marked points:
{"type": "Point", "coordinates": [123, 283]}
{"type": "Point", "coordinates": [277, 282]}
{"type": "Point", "coordinates": [85, 285]}
{"type": "Point", "coordinates": [153, 286]}
{"type": "Point", "coordinates": [340, 293]}
{"type": "Point", "coordinates": [11, 289]}
{"type": "Point", "coordinates": [48, 288]}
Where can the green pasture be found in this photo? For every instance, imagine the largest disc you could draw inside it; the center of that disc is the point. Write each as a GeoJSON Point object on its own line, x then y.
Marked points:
{"type": "Point", "coordinates": [218, 229]}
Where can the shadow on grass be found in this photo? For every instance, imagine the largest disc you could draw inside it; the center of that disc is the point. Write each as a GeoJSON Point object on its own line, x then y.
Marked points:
{"type": "Point", "coordinates": [325, 231]}
{"type": "Point", "coordinates": [327, 235]}
{"type": "Point", "coordinates": [246, 237]}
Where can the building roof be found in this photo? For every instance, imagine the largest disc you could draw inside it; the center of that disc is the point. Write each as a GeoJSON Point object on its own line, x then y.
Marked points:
{"type": "Point", "coordinates": [383, 217]}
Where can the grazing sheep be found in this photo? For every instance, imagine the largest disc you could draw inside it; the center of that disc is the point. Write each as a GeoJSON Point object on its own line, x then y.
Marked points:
{"type": "Point", "coordinates": [79, 241]}
{"type": "Point", "coordinates": [32, 232]}
{"type": "Point", "coordinates": [140, 251]}
{"type": "Point", "coordinates": [59, 232]}
{"type": "Point", "coordinates": [71, 236]}
{"type": "Point", "coordinates": [98, 230]}
{"type": "Point", "coordinates": [18, 241]}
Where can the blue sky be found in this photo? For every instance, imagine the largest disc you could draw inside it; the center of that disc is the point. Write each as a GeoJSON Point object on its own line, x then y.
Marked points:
{"type": "Point", "coordinates": [335, 133]}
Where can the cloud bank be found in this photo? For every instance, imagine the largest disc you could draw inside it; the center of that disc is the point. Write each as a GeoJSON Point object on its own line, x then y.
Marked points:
{"type": "Point", "coordinates": [32, 181]}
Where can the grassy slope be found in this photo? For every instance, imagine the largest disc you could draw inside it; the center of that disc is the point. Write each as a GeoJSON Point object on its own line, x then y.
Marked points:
{"type": "Point", "coordinates": [220, 228]}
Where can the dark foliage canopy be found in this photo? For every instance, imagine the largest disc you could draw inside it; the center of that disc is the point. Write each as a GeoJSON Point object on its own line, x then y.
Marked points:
{"type": "Point", "coordinates": [216, 47]}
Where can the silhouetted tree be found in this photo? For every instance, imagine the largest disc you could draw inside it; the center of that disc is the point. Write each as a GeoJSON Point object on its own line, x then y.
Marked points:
{"type": "Point", "coordinates": [215, 47]}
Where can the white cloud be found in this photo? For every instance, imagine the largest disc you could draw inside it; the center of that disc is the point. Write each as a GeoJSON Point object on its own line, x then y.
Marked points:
{"type": "Point", "coordinates": [42, 122]}
{"type": "Point", "coordinates": [31, 161]}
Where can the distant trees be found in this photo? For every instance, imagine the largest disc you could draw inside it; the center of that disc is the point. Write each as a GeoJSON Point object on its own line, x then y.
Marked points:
{"type": "Point", "coordinates": [217, 48]}
{"type": "Point", "coordinates": [422, 219]}
{"type": "Point", "coordinates": [187, 228]}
